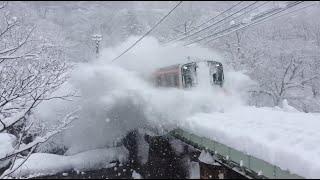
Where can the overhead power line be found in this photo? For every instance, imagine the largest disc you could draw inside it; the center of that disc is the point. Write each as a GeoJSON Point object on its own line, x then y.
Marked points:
{"type": "Point", "coordinates": [270, 17]}
{"type": "Point", "coordinates": [316, 3]}
{"type": "Point", "coordinates": [197, 27]}
{"type": "Point", "coordinates": [147, 33]}
{"type": "Point", "coordinates": [197, 32]}
{"type": "Point", "coordinates": [217, 35]}
{"type": "Point", "coordinates": [219, 14]}
{"type": "Point", "coordinates": [236, 17]}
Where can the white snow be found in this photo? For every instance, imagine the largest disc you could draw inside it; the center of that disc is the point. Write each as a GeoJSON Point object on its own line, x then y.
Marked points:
{"type": "Point", "coordinates": [120, 92]}
{"type": "Point", "coordinates": [286, 107]}
{"type": "Point", "coordinates": [289, 140]}
{"type": "Point", "coordinates": [206, 157]}
{"type": "Point", "coordinates": [14, 18]}
{"type": "Point", "coordinates": [7, 142]}
{"type": "Point", "coordinates": [203, 75]}
{"type": "Point", "coordinates": [12, 119]}
{"type": "Point", "coordinates": [116, 98]}
{"type": "Point", "coordinates": [143, 149]}
{"type": "Point", "coordinates": [177, 146]}
{"type": "Point", "coordinates": [194, 170]}
{"type": "Point", "coordinates": [136, 175]}
{"type": "Point", "coordinates": [111, 165]}
{"type": "Point", "coordinates": [48, 164]}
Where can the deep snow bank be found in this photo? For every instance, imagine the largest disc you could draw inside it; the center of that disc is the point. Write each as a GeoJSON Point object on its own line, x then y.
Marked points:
{"type": "Point", "coordinates": [49, 164]}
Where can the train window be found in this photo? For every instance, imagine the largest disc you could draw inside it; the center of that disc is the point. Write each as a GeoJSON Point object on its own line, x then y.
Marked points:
{"type": "Point", "coordinates": [220, 77]}
{"type": "Point", "coordinates": [163, 81]}
{"type": "Point", "coordinates": [158, 83]}
{"type": "Point", "coordinates": [168, 80]}
{"type": "Point", "coordinates": [214, 75]}
{"type": "Point", "coordinates": [188, 81]}
{"type": "Point", "coordinates": [176, 80]}
{"type": "Point", "coordinates": [189, 75]}
{"type": "Point", "coordinates": [172, 80]}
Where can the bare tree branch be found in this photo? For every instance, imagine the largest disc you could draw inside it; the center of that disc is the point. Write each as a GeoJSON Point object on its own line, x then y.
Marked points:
{"type": "Point", "coordinates": [3, 124]}
{"type": "Point", "coordinates": [20, 44]}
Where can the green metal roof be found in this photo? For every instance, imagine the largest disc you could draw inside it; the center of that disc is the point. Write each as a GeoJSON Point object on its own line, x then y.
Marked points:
{"type": "Point", "coordinates": [235, 158]}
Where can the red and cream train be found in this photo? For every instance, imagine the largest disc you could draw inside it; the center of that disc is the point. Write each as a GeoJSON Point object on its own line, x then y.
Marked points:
{"type": "Point", "coordinates": [186, 75]}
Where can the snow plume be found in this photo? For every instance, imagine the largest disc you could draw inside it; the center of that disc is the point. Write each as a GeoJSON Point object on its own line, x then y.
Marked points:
{"type": "Point", "coordinates": [117, 97]}
{"type": "Point", "coordinates": [150, 54]}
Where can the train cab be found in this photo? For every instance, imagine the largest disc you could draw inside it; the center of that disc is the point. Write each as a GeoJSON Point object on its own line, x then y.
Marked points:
{"type": "Point", "coordinates": [190, 75]}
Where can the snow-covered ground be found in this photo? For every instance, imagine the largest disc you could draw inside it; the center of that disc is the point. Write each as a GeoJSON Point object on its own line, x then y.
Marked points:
{"type": "Point", "coordinates": [283, 137]}
{"type": "Point", "coordinates": [49, 164]}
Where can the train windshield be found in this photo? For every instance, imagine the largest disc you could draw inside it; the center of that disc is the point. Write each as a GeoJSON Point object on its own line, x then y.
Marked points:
{"type": "Point", "coordinates": [202, 73]}
{"type": "Point", "coordinates": [189, 76]}
{"type": "Point", "coordinates": [216, 73]}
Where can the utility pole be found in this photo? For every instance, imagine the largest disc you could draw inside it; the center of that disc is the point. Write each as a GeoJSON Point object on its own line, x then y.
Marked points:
{"type": "Point", "coordinates": [97, 38]}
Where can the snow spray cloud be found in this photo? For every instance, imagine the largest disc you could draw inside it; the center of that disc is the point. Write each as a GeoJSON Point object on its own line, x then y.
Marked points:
{"type": "Point", "coordinates": [116, 97]}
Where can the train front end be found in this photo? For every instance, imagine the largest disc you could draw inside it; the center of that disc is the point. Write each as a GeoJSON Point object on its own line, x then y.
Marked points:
{"type": "Point", "coordinates": [202, 73]}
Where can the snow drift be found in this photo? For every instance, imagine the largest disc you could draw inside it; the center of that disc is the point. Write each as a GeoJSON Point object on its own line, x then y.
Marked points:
{"type": "Point", "coordinates": [50, 164]}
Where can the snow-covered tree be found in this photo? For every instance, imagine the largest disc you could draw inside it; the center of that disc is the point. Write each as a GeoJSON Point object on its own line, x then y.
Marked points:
{"type": "Point", "coordinates": [282, 56]}
{"type": "Point", "coordinates": [31, 69]}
